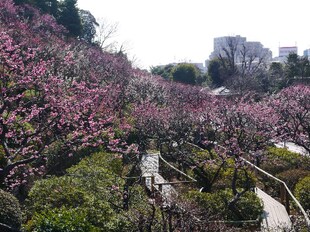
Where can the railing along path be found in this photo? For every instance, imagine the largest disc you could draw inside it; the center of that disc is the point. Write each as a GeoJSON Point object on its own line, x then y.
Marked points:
{"type": "Point", "coordinates": [276, 216]}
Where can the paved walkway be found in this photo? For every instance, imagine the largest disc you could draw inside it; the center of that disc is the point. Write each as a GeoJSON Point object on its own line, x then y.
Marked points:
{"type": "Point", "coordinates": [275, 216]}
{"type": "Point", "coordinates": [150, 167]}
{"type": "Point", "coordinates": [149, 164]}
{"type": "Point", "coordinates": [293, 148]}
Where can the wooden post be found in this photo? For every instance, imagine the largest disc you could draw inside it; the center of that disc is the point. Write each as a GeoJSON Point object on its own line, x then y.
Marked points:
{"type": "Point", "coordinates": [125, 198]}
{"type": "Point", "coordinates": [287, 202]}
{"type": "Point", "coordinates": [152, 183]}
{"type": "Point", "coordinates": [143, 181]}
{"type": "Point", "coordinates": [285, 198]}
{"type": "Point", "coordinates": [282, 194]}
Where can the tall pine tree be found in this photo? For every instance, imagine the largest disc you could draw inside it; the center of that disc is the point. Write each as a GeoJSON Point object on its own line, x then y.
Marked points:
{"type": "Point", "coordinates": [47, 6]}
{"type": "Point", "coordinates": [69, 17]}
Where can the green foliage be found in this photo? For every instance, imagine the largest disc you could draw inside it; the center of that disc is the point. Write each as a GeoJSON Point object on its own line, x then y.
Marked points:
{"type": "Point", "coordinates": [276, 70]}
{"type": "Point", "coordinates": [89, 24]}
{"type": "Point", "coordinates": [275, 79]}
{"type": "Point", "coordinates": [287, 166]}
{"type": "Point", "coordinates": [18, 2]}
{"type": "Point", "coordinates": [185, 73]}
{"type": "Point", "coordinates": [58, 158]}
{"type": "Point", "coordinates": [64, 220]}
{"type": "Point", "coordinates": [216, 72]}
{"type": "Point", "coordinates": [250, 206]}
{"type": "Point", "coordinates": [3, 160]}
{"type": "Point", "coordinates": [208, 169]}
{"type": "Point", "coordinates": [203, 79]}
{"type": "Point", "coordinates": [94, 188]}
{"type": "Point", "coordinates": [292, 176]}
{"type": "Point", "coordinates": [215, 174]}
{"type": "Point", "coordinates": [92, 178]}
{"type": "Point", "coordinates": [79, 24]}
{"type": "Point", "coordinates": [87, 186]}
{"type": "Point", "coordinates": [10, 212]}
{"type": "Point", "coordinates": [216, 204]}
{"type": "Point", "coordinates": [106, 167]}
{"type": "Point", "coordinates": [164, 71]}
{"type": "Point", "coordinates": [245, 177]}
{"type": "Point", "coordinates": [46, 6]}
{"type": "Point", "coordinates": [302, 192]}
{"type": "Point", "coordinates": [56, 192]}
{"type": "Point", "coordinates": [69, 17]}
{"type": "Point", "coordinates": [280, 159]}
{"type": "Point", "coordinates": [297, 66]}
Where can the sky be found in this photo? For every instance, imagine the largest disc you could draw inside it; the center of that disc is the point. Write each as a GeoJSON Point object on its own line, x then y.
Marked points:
{"type": "Point", "coordinates": [158, 32]}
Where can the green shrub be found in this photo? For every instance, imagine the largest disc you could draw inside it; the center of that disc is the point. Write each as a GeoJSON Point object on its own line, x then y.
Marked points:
{"type": "Point", "coordinates": [185, 73]}
{"type": "Point", "coordinates": [61, 220]}
{"type": "Point", "coordinates": [280, 159]}
{"type": "Point", "coordinates": [292, 176]}
{"type": "Point", "coordinates": [216, 204]}
{"type": "Point", "coordinates": [108, 163]}
{"type": "Point", "coordinates": [213, 204]}
{"type": "Point", "coordinates": [101, 208]}
{"type": "Point", "coordinates": [58, 160]}
{"type": "Point", "coordinates": [10, 212]}
{"type": "Point", "coordinates": [94, 188]}
{"type": "Point", "coordinates": [56, 192]}
{"type": "Point", "coordinates": [245, 178]}
{"type": "Point", "coordinates": [302, 192]}
{"type": "Point", "coordinates": [87, 186]}
{"type": "Point", "coordinates": [209, 174]}
{"type": "Point", "coordinates": [250, 206]}
{"type": "Point", "coordinates": [3, 160]}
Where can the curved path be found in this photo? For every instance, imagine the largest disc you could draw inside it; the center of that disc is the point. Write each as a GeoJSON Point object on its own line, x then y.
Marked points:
{"type": "Point", "coordinates": [275, 216]}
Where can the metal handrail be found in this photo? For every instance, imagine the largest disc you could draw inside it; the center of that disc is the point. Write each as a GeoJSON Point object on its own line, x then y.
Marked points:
{"type": "Point", "coordinates": [174, 182]}
{"type": "Point", "coordinates": [176, 168]}
{"type": "Point", "coordinates": [275, 178]}
{"type": "Point", "coordinates": [237, 222]}
{"type": "Point", "coordinates": [285, 186]}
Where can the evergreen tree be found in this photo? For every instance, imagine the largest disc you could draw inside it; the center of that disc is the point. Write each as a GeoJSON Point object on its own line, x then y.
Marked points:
{"type": "Point", "coordinates": [19, 2]}
{"type": "Point", "coordinates": [185, 73]}
{"type": "Point", "coordinates": [89, 24]}
{"type": "Point", "coordinates": [70, 18]}
{"type": "Point", "coordinates": [217, 71]}
{"type": "Point", "coordinates": [164, 71]}
{"type": "Point", "coordinates": [46, 6]}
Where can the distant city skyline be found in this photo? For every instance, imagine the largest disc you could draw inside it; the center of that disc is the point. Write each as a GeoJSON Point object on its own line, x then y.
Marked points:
{"type": "Point", "coordinates": [160, 32]}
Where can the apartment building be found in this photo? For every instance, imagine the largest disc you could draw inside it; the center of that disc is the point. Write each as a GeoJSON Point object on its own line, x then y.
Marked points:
{"type": "Point", "coordinates": [243, 48]}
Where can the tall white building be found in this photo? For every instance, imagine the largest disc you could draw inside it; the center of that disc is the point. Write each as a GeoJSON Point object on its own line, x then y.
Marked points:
{"type": "Point", "coordinates": [221, 44]}
{"type": "Point", "coordinates": [224, 44]}
{"type": "Point", "coordinates": [255, 50]}
{"type": "Point", "coordinates": [285, 51]}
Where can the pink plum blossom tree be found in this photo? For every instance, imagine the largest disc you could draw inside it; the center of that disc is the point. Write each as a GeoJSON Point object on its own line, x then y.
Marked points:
{"type": "Point", "coordinates": [293, 107]}
{"type": "Point", "coordinates": [53, 90]}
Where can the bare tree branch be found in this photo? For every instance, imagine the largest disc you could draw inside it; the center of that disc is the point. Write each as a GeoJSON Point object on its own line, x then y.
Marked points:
{"type": "Point", "coordinates": [106, 32]}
